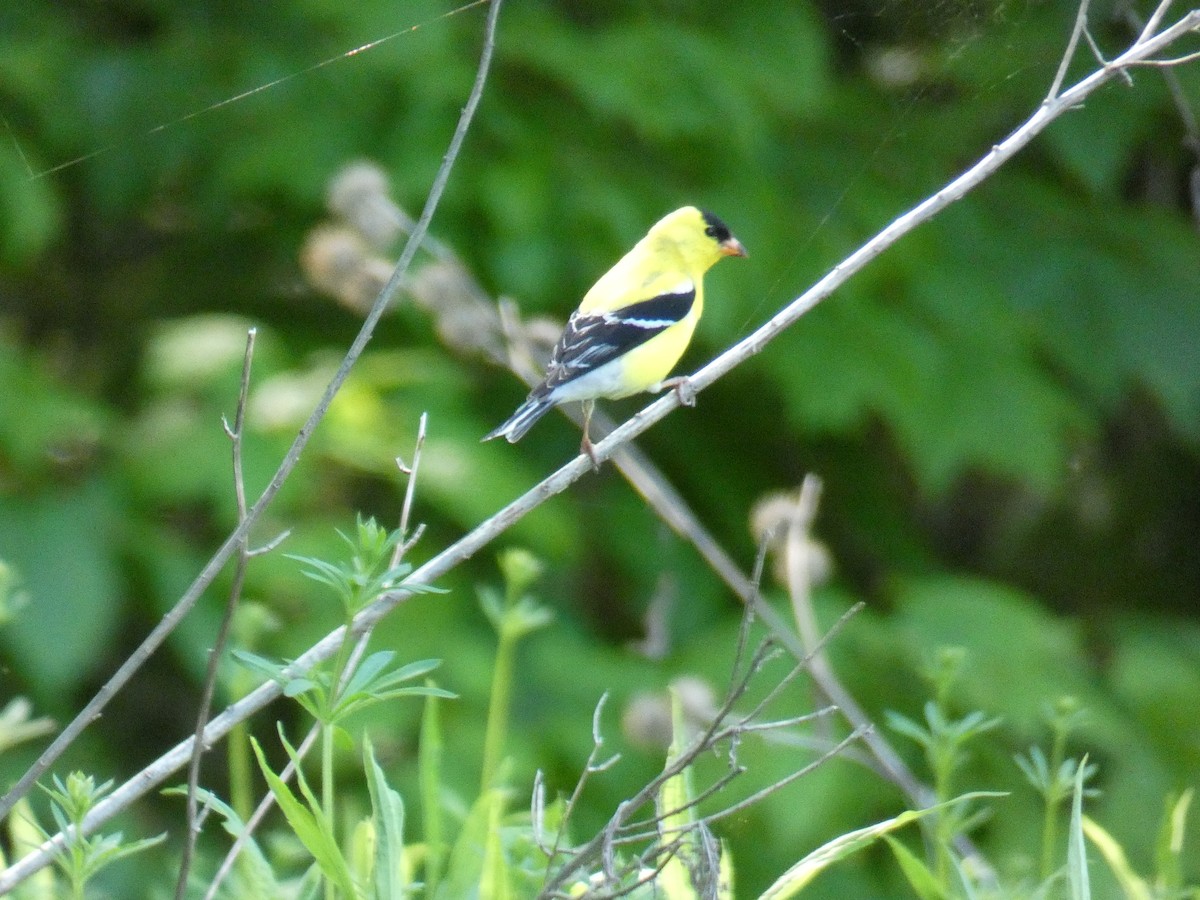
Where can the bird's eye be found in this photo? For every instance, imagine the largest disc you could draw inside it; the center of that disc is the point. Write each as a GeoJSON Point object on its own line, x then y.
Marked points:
{"type": "Point", "coordinates": [715, 228]}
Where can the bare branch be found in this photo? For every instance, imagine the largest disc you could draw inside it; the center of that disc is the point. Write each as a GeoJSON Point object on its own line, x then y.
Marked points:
{"type": "Point", "coordinates": [218, 649]}
{"type": "Point", "coordinates": [1154, 21]}
{"type": "Point", "coordinates": [1168, 63]}
{"type": "Point", "coordinates": [620, 830]}
{"type": "Point", "coordinates": [271, 544]}
{"type": "Point", "coordinates": [591, 767]}
{"type": "Point", "coordinates": [406, 540]}
{"type": "Point", "coordinates": [783, 782]}
{"type": "Point", "coordinates": [1064, 64]}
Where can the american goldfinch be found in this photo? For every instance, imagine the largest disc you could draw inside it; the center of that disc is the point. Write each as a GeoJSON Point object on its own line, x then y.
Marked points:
{"type": "Point", "coordinates": [634, 324]}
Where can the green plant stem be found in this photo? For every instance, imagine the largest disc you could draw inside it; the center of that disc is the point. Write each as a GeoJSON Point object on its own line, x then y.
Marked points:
{"type": "Point", "coordinates": [1049, 836]}
{"type": "Point", "coordinates": [1058, 752]}
{"type": "Point", "coordinates": [942, 759]}
{"type": "Point", "coordinates": [241, 796]}
{"type": "Point", "coordinates": [327, 790]}
{"type": "Point", "coordinates": [498, 706]}
{"type": "Point", "coordinates": [339, 668]}
{"type": "Point", "coordinates": [431, 778]}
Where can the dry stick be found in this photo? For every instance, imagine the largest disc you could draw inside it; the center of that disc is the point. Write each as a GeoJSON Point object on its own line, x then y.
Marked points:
{"type": "Point", "coordinates": [715, 732]}
{"type": "Point", "coordinates": [218, 648]}
{"type": "Point", "coordinates": [1184, 108]}
{"type": "Point", "coordinates": [406, 541]}
{"type": "Point", "coordinates": [1155, 20]}
{"type": "Point", "coordinates": [157, 772]}
{"type": "Point", "coordinates": [1079, 28]}
{"type": "Point", "coordinates": [13, 874]}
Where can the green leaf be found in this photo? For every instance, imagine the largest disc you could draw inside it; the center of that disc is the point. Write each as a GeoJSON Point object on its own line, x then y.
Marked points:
{"type": "Point", "coordinates": [408, 672]}
{"type": "Point", "coordinates": [474, 860]}
{"type": "Point", "coordinates": [1002, 630]}
{"type": "Point", "coordinates": [368, 669]}
{"type": "Point", "coordinates": [294, 687]}
{"type": "Point", "coordinates": [802, 873]}
{"type": "Point", "coordinates": [494, 881]}
{"type": "Point", "coordinates": [677, 815]}
{"type": "Point", "coordinates": [1169, 852]}
{"type": "Point", "coordinates": [262, 665]}
{"type": "Point", "coordinates": [429, 774]}
{"type": "Point", "coordinates": [1132, 884]}
{"type": "Point", "coordinates": [387, 815]}
{"type": "Point", "coordinates": [1077, 862]}
{"type": "Point", "coordinates": [65, 544]}
{"type": "Point", "coordinates": [308, 823]}
{"type": "Point", "coordinates": [113, 850]}
{"type": "Point", "coordinates": [920, 878]}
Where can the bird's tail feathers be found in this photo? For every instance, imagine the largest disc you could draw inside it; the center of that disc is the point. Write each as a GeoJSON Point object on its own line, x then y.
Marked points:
{"type": "Point", "coordinates": [522, 420]}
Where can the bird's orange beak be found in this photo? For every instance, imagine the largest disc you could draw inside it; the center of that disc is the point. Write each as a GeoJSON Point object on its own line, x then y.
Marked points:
{"type": "Point", "coordinates": [732, 247]}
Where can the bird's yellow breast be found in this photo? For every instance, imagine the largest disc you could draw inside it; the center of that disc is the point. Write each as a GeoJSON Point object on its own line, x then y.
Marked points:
{"type": "Point", "coordinates": [646, 365]}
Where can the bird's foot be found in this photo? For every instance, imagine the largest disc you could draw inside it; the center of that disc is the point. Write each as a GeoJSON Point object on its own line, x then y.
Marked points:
{"type": "Point", "coordinates": [588, 449]}
{"type": "Point", "coordinates": [682, 385]}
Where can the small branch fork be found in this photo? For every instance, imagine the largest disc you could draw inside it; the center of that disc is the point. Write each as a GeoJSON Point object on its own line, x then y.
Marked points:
{"type": "Point", "coordinates": [723, 729]}
{"type": "Point", "coordinates": [1145, 51]}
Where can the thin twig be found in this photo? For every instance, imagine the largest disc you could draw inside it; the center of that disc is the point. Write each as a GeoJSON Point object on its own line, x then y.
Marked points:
{"type": "Point", "coordinates": [1168, 63]}
{"type": "Point", "coordinates": [805, 663]}
{"type": "Point", "coordinates": [558, 482]}
{"type": "Point", "coordinates": [749, 727]}
{"type": "Point", "coordinates": [271, 544]}
{"type": "Point", "coordinates": [1065, 63]}
{"type": "Point", "coordinates": [853, 736]}
{"type": "Point", "coordinates": [218, 649]}
{"type": "Point", "coordinates": [1182, 104]}
{"type": "Point", "coordinates": [1154, 21]}
{"type": "Point", "coordinates": [603, 845]}
{"type": "Point", "coordinates": [406, 541]}
{"type": "Point", "coordinates": [591, 767]}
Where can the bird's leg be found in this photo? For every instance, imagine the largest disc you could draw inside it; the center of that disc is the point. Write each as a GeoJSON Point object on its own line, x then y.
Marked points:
{"type": "Point", "coordinates": [586, 446]}
{"type": "Point", "coordinates": [682, 386]}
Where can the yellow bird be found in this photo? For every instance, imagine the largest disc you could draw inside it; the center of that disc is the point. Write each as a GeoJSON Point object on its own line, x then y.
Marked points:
{"type": "Point", "coordinates": [634, 324]}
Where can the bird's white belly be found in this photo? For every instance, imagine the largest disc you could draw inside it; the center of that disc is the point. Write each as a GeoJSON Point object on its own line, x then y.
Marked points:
{"type": "Point", "coordinates": [636, 371]}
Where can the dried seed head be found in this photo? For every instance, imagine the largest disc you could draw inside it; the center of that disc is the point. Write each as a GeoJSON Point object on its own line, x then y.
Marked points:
{"type": "Point", "coordinates": [339, 261]}
{"type": "Point", "coordinates": [360, 195]}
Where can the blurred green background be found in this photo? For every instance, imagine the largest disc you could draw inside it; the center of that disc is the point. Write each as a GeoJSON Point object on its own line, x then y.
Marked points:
{"type": "Point", "coordinates": [1005, 408]}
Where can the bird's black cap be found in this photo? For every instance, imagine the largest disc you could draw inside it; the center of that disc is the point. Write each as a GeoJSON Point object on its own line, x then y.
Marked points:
{"type": "Point", "coordinates": [717, 230]}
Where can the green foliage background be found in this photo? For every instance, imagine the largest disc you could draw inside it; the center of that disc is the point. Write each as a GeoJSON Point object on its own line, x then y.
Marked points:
{"type": "Point", "coordinates": [1005, 408]}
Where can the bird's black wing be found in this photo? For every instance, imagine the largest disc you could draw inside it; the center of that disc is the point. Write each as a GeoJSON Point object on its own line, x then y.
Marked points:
{"type": "Point", "coordinates": [592, 339]}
